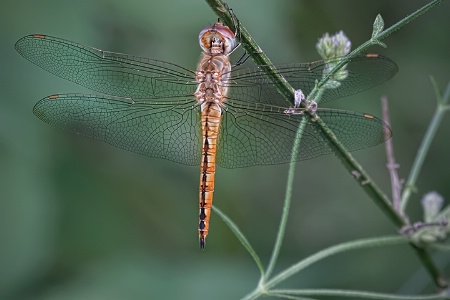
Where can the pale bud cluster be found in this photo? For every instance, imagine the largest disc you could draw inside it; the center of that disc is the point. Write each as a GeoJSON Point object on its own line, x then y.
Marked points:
{"type": "Point", "coordinates": [331, 48]}
{"type": "Point", "coordinates": [335, 46]}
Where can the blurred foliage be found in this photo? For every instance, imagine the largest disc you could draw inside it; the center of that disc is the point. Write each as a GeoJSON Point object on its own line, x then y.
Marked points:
{"type": "Point", "coordinates": [82, 220]}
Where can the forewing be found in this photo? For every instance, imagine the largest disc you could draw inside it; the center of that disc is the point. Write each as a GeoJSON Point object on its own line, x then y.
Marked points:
{"type": "Point", "coordinates": [107, 72]}
{"type": "Point", "coordinates": [364, 72]}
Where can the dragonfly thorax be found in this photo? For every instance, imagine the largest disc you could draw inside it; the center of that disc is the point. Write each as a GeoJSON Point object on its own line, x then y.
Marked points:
{"type": "Point", "coordinates": [217, 39]}
{"type": "Point", "coordinates": [212, 76]}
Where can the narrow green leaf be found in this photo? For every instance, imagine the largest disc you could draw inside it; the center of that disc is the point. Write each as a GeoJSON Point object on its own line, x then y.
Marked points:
{"type": "Point", "coordinates": [378, 26]}
{"type": "Point", "coordinates": [437, 92]}
{"type": "Point", "coordinates": [241, 238]}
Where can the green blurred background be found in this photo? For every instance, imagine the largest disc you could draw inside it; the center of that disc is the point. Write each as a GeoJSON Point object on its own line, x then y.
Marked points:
{"type": "Point", "coordinates": [80, 219]}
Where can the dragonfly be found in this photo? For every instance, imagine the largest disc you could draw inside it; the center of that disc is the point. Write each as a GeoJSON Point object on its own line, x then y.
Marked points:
{"type": "Point", "coordinates": [216, 114]}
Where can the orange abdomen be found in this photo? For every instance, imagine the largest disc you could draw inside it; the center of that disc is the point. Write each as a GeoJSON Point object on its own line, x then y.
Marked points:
{"type": "Point", "coordinates": [211, 115]}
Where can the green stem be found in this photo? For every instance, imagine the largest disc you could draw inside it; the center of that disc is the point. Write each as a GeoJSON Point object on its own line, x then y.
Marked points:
{"type": "Point", "coordinates": [287, 201]}
{"type": "Point", "coordinates": [340, 294]}
{"type": "Point", "coordinates": [425, 145]}
{"type": "Point", "coordinates": [375, 39]}
{"type": "Point", "coordinates": [264, 289]}
{"type": "Point", "coordinates": [441, 108]}
{"type": "Point", "coordinates": [369, 186]}
{"type": "Point", "coordinates": [242, 239]}
{"type": "Point", "coordinates": [259, 57]}
{"type": "Point", "coordinates": [333, 250]}
{"type": "Point", "coordinates": [285, 89]}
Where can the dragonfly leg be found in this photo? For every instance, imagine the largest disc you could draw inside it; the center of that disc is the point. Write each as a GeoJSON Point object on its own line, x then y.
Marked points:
{"type": "Point", "coordinates": [242, 59]}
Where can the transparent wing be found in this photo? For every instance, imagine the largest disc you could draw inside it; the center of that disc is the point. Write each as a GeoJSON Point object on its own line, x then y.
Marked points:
{"type": "Point", "coordinates": [364, 72]}
{"type": "Point", "coordinates": [162, 120]}
{"type": "Point", "coordinates": [135, 77]}
{"type": "Point", "coordinates": [107, 72]}
{"type": "Point", "coordinates": [264, 135]}
{"type": "Point", "coordinates": [169, 129]}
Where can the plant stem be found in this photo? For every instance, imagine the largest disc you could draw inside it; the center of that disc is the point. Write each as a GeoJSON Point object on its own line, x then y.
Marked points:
{"type": "Point", "coordinates": [242, 239]}
{"type": "Point", "coordinates": [340, 294]}
{"type": "Point", "coordinates": [285, 89]}
{"type": "Point", "coordinates": [259, 57]}
{"type": "Point", "coordinates": [441, 108]}
{"type": "Point", "coordinates": [333, 250]}
{"type": "Point", "coordinates": [392, 166]}
{"type": "Point", "coordinates": [287, 200]}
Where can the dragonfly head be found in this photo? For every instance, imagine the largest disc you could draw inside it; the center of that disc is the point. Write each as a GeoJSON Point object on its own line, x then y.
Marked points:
{"type": "Point", "coordinates": [217, 39]}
